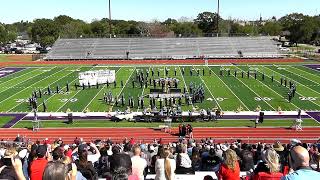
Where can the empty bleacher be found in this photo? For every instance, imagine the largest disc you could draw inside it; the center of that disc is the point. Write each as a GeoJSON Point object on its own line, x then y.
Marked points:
{"type": "Point", "coordinates": [163, 48]}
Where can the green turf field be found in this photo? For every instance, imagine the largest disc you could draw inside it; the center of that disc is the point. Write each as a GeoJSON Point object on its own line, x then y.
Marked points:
{"type": "Point", "coordinates": [220, 123]}
{"type": "Point", "coordinates": [225, 92]}
{"type": "Point", "coordinates": [5, 119]}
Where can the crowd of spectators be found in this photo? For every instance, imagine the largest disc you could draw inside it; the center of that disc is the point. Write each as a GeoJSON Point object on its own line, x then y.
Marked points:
{"type": "Point", "coordinates": [132, 160]}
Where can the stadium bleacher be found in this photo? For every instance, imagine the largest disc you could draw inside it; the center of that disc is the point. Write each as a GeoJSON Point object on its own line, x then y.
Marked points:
{"type": "Point", "coordinates": [164, 48]}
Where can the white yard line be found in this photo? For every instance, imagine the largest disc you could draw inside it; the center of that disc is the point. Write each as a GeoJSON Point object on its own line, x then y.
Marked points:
{"type": "Point", "coordinates": [22, 81]}
{"type": "Point", "coordinates": [39, 82]}
{"type": "Point", "coordinates": [62, 88]}
{"type": "Point", "coordinates": [28, 87]}
{"type": "Point", "coordinates": [18, 121]}
{"type": "Point", "coordinates": [68, 100]}
{"type": "Point", "coordinates": [312, 68]}
{"type": "Point", "coordinates": [17, 76]}
{"type": "Point", "coordinates": [302, 77]}
{"type": "Point", "coordinates": [256, 94]}
{"type": "Point", "coordinates": [142, 93]}
{"type": "Point", "coordinates": [210, 93]}
{"type": "Point", "coordinates": [264, 85]}
{"type": "Point", "coordinates": [230, 89]}
{"type": "Point", "coordinates": [125, 84]}
{"type": "Point", "coordinates": [185, 85]}
{"type": "Point", "coordinates": [304, 71]}
{"type": "Point", "coordinates": [298, 83]}
{"type": "Point", "coordinates": [98, 93]}
{"type": "Point", "coordinates": [274, 90]}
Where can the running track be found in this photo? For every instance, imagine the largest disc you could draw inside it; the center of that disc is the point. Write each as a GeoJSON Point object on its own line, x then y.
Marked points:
{"type": "Point", "coordinates": [147, 135]}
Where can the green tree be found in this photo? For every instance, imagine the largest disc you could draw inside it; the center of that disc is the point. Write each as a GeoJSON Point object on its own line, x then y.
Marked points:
{"type": "Point", "coordinates": [122, 27]}
{"type": "Point", "coordinates": [44, 31]}
{"type": "Point", "coordinates": [22, 26]}
{"type": "Point", "coordinates": [293, 23]}
{"type": "Point", "coordinates": [63, 20]}
{"type": "Point", "coordinates": [11, 36]}
{"type": "Point", "coordinates": [73, 29]}
{"type": "Point", "coordinates": [99, 28]}
{"type": "Point", "coordinates": [8, 33]}
{"type": "Point", "coordinates": [272, 28]}
{"type": "Point", "coordinates": [170, 21]}
{"type": "Point", "coordinates": [206, 21]}
{"type": "Point", "coordinates": [186, 29]}
{"type": "Point", "coordinates": [3, 34]}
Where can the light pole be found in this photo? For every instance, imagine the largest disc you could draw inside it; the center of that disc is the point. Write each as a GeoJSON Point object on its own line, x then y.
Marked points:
{"type": "Point", "coordinates": [218, 12]}
{"type": "Point", "coordinates": [110, 23]}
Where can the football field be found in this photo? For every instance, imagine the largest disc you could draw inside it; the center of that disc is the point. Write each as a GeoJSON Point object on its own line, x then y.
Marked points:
{"type": "Point", "coordinates": [229, 92]}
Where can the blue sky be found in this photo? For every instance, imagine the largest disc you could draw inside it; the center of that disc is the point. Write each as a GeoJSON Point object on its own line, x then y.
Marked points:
{"type": "Point", "coordinates": [148, 10]}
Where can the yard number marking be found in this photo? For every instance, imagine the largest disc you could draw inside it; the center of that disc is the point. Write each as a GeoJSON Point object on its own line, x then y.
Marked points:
{"type": "Point", "coordinates": [262, 98]}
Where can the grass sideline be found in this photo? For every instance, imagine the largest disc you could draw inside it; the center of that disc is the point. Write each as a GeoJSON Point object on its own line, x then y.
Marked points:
{"type": "Point", "coordinates": [5, 119]}
{"type": "Point", "coordinates": [15, 58]}
{"type": "Point", "coordinates": [122, 124]}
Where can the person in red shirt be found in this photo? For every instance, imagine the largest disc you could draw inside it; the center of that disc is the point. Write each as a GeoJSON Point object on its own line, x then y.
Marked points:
{"type": "Point", "coordinates": [229, 169]}
{"type": "Point", "coordinates": [132, 141]}
{"type": "Point", "coordinates": [38, 165]}
{"type": "Point", "coordinates": [67, 151]}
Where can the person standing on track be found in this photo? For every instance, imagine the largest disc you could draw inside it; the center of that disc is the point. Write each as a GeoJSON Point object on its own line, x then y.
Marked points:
{"type": "Point", "coordinates": [190, 130]}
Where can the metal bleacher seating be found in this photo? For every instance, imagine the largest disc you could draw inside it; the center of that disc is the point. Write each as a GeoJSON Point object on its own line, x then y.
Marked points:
{"type": "Point", "coordinates": [163, 48]}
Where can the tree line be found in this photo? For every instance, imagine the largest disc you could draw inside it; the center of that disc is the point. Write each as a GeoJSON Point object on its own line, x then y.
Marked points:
{"type": "Point", "coordinates": [297, 28]}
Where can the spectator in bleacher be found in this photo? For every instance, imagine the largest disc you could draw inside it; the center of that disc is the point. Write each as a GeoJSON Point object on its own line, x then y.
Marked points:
{"type": "Point", "coordinates": [127, 149]}
{"type": "Point", "coordinates": [155, 158]}
{"type": "Point", "coordinates": [165, 167]}
{"type": "Point", "coordinates": [57, 170]}
{"type": "Point", "coordinates": [7, 170]}
{"type": "Point", "coordinates": [314, 154]}
{"type": "Point", "coordinates": [269, 167]}
{"type": "Point", "coordinates": [299, 162]}
{"type": "Point", "coordinates": [92, 152]}
{"type": "Point", "coordinates": [283, 155]}
{"type": "Point", "coordinates": [138, 163]}
{"type": "Point", "coordinates": [116, 149]}
{"type": "Point", "coordinates": [103, 166]}
{"type": "Point", "coordinates": [246, 157]}
{"type": "Point", "coordinates": [219, 152]}
{"type": "Point", "coordinates": [208, 177]}
{"type": "Point", "coordinates": [67, 151]}
{"type": "Point", "coordinates": [38, 165]}
{"type": "Point", "coordinates": [196, 159]}
{"type": "Point", "coordinates": [23, 155]}
{"type": "Point", "coordinates": [33, 154]}
{"type": "Point", "coordinates": [13, 164]}
{"type": "Point", "coordinates": [145, 154]}
{"type": "Point", "coordinates": [83, 164]}
{"type": "Point", "coordinates": [211, 162]}
{"type": "Point", "coordinates": [229, 169]}
{"type": "Point", "coordinates": [68, 162]}
{"type": "Point", "coordinates": [184, 164]}
{"type": "Point", "coordinates": [317, 167]}
{"type": "Point", "coordinates": [57, 154]}
{"type": "Point", "coordinates": [121, 167]}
